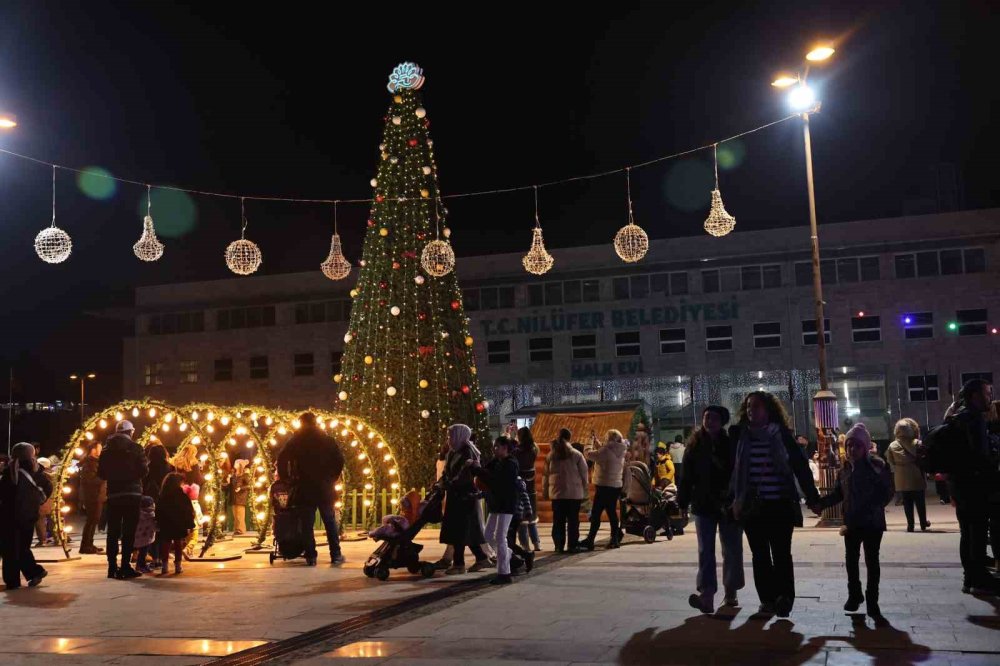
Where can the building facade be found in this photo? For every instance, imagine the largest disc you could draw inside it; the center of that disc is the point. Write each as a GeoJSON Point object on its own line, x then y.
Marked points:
{"type": "Point", "coordinates": [910, 309]}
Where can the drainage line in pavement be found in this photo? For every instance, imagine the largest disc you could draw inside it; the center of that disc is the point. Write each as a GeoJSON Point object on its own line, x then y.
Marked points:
{"type": "Point", "coordinates": [339, 630]}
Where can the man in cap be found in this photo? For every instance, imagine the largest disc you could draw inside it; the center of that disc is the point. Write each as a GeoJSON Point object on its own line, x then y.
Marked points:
{"type": "Point", "coordinates": [123, 466]}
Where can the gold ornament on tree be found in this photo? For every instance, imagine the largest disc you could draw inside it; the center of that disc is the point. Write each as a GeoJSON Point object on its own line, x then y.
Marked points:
{"type": "Point", "coordinates": [437, 259]}
{"type": "Point", "coordinates": [719, 222]}
{"type": "Point", "coordinates": [538, 261]}
{"type": "Point", "coordinates": [149, 247]}
{"type": "Point", "coordinates": [336, 266]}
{"type": "Point", "coordinates": [52, 244]}
{"type": "Point", "coordinates": [631, 242]}
{"type": "Point", "coordinates": [242, 256]}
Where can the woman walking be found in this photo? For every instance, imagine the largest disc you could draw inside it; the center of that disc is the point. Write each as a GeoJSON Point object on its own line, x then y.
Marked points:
{"type": "Point", "coordinates": [609, 464]}
{"type": "Point", "coordinates": [768, 463]}
{"type": "Point", "coordinates": [709, 459]}
{"type": "Point", "coordinates": [23, 488]}
{"type": "Point", "coordinates": [565, 483]}
{"type": "Point", "coordinates": [909, 479]}
{"type": "Point", "coordinates": [460, 524]}
{"type": "Point", "coordinates": [526, 454]}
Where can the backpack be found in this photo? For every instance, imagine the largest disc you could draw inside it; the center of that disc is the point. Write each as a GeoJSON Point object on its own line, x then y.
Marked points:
{"type": "Point", "coordinates": [939, 450]}
{"type": "Point", "coordinates": [28, 497]}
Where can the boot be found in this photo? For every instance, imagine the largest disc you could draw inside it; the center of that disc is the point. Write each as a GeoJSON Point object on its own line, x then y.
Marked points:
{"type": "Point", "coordinates": [587, 544]}
{"type": "Point", "coordinates": [112, 571]}
{"type": "Point", "coordinates": [871, 606]}
{"type": "Point", "coordinates": [854, 599]}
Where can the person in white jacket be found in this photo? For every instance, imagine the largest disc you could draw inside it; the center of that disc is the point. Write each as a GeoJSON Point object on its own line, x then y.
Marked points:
{"type": "Point", "coordinates": [609, 463]}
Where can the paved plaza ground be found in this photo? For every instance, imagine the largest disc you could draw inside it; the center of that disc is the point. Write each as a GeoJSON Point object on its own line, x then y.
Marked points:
{"type": "Point", "coordinates": [626, 606]}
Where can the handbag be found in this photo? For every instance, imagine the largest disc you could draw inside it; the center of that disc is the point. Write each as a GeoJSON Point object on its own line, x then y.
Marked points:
{"type": "Point", "coordinates": [748, 507]}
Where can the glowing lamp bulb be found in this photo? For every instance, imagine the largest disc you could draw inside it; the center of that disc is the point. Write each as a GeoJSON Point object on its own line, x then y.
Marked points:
{"type": "Point", "coordinates": [392, 471]}
{"type": "Point", "coordinates": [258, 460]}
{"type": "Point", "coordinates": [67, 529]}
{"type": "Point", "coordinates": [952, 326]}
{"type": "Point", "coordinates": [250, 444]}
{"type": "Point", "coordinates": [380, 445]}
{"type": "Point", "coordinates": [203, 457]}
{"type": "Point", "coordinates": [152, 412]}
{"type": "Point", "coordinates": [184, 427]}
{"type": "Point", "coordinates": [209, 477]}
{"type": "Point", "coordinates": [368, 503]}
{"type": "Point", "coordinates": [168, 418]}
{"type": "Point", "coordinates": [361, 456]}
{"type": "Point", "coordinates": [354, 443]}
{"type": "Point", "coordinates": [907, 320]}
{"type": "Point", "coordinates": [296, 424]}
{"type": "Point", "coordinates": [394, 501]}
{"type": "Point", "coordinates": [119, 416]}
{"type": "Point", "coordinates": [861, 313]}
{"type": "Point", "coordinates": [274, 442]}
{"type": "Point", "coordinates": [65, 509]}
{"type": "Point", "coordinates": [368, 486]}
{"type": "Point", "coordinates": [394, 485]}
{"type": "Point", "coordinates": [209, 497]}
{"type": "Point", "coordinates": [282, 430]}
{"type": "Point", "coordinates": [366, 471]}
{"type": "Point", "coordinates": [371, 434]}
{"type": "Point", "coordinates": [268, 421]}
{"type": "Point", "coordinates": [253, 416]}
{"type": "Point", "coordinates": [338, 504]}
{"type": "Point", "coordinates": [339, 487]}
{"type": "Point", "coordinates": [210, 428]}
{"type": "Point", "coordinates": [196, 440]}
{"type": "Point", "coordinates": [194, 416]}
{"type": "Point", "coordinates": [103, 424]}
{"type": "Point", "coordinates": [993, 331]}
{"type": "Point", "coordinates": [344, 432]}
{"type": "Point", "coordinates": [89, 435]}
{"type": "Point", "coordinates": [801, 98]}
{"type": "Point", "coordinates": [165, 427]}
{"type": "Point", "coordinates": [210, 416]}
{"type": "Point", "coordinates": [261, 515]}
{"type": "Point", "coordinates": [66, 490]}
{"type": "Point", "coordinates": [224, 420]}
{"type": "Point", "coordinates": [135, 411]}
{"type": "Point", "coordinates": [387, 457]}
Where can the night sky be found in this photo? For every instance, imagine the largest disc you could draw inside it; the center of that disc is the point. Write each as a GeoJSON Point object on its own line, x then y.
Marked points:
{"type": "Point", "coordinates": [290, 103]}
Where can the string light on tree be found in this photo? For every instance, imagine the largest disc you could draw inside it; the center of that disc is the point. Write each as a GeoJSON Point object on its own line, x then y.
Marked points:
{"type": "Point", "coordinates": [631, 242]}
{"type": "Point", "coordinates": [719, 222]}
{"type": "Point", "coordinates": [52, 244]}
{"type": "Point", "coordinates": [538, 261]}
{"type": "Point", "coordinates": [148, 247]}
{"type": "Point", "coordinates": [242, 256]}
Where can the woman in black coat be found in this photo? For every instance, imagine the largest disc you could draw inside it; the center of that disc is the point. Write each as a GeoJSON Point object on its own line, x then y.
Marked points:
{"type": "Point", "coordinates": [526, 454]}
{"type": "Point", "coordinates": [158, 468]}
{"type": "Point", "coordinates": [460, 524]}
{"type": "Point", "coordinates": [174, 520]}
{"type": "Point", "coordinates": [23, 488]}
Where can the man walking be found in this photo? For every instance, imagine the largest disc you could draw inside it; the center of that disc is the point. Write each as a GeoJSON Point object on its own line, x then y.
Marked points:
{"type": "Point", "coordinates": [123, 465]}
{"type": "Point", "coordinates": [311, 462]}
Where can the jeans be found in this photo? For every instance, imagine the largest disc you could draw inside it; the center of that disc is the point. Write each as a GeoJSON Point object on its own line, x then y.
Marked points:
{"type": "Point", "coordinates": [731, 539]}
{"type": "Point", "coordinates": [606, 501]}
{"type": "Point", "coordinates": [515, 549]}
{"type": "Point", "coordinates": [123, 518]}
{"type": "Point", "coordinates": [853, 541]}
{"type": "Point", "coordinates": [329, 516]}
{"type": "Point", "coordinates": [973, 523]}
{"type": "Point", "coordinates": [15, 547]}
{"type": "Point", "coordinates": [528, 530]}
{"type": "Point", "coordinates": [770, 539]}
{"type": "Point", "coordinates": [911, 498]}
{"type": "Point", "coordinates": [496, 535]}
{"type": "Point", "coordinates": [566, 517]}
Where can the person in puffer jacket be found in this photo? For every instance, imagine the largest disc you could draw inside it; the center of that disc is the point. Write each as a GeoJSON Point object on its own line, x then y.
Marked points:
{"type": "Point", "coordinates": [864, 485]}
{"type": "Point", "coordinates": [609, 465]}
{"type": "Point", "coordinates": [123, 465]}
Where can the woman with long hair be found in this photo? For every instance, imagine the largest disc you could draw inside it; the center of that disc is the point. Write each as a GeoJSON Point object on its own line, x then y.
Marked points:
{"type": "Point", "coordinates": [709, 458]}
{"type": "Point", "coordinates": [609, 465]}
{"type": "Point", "coordinates": [186, 462]}
{"type": "Point", "coordinates": [767, 465]}
{"type": "Point", "coordinates": [23, 488]}
{"type": "Point", "coordinates": [156, 454]}
{"type": "Point", "coordinates": [565, 483]}
{"type": "Point", "coordinates": [526, 454]}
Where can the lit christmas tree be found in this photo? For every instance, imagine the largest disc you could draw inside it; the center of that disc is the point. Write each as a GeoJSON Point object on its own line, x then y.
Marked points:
{"type": "Point", "coordinates": [408, 368]}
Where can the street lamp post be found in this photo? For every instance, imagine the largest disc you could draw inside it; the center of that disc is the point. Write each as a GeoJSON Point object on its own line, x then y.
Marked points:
{"type": "Point", "coordinates": [802, 99]}
{"type": "Point", "coordinates": [83, 381]}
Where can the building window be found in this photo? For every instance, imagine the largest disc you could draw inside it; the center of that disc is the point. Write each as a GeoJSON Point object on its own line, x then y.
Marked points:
{"type": "Point", "coordinates": [760, 277]}
{"type": "Point", "coordinates": [669, 284]}
{"type": "Point", "coordinates": [940, 262]}
{"type": "Point", "coordinates": [336, 358]}
{"type": "Point", "coordinates": [971, 322]}
{"type": "Point", "coordinates": [869, 269]}
{"type": "Point", "coordinates": [847, 270]}
{"type": "Point", "coordinates": [619, 288]}
{"type": "Point", "coordinates": [259, 368]}
{"type": "Point", "coordinates": [248, 317]}
{"type": "Point", "coordinates": [572, 291]}
{"type": "Point", "coordinates": [673, 340]}
{"type": "Point", "coordinates": [917, 325]}
{"type": "Point", "coordinates": [549, 293]}
{"type": "Point", "coordinates": [498, 351]}
{"type": "Point", "coordinates": [772, 276]}
{"type": "Point", "coordinates": [189, 372]}
{"type": "Point", "coordinates": [177, 322]}
{"type": "Point", "coordinates": [809, 336]}
{"type": "Point", "coordinates": [922, 388]}
{"type": "Point", "coordinates": [584, 347]}
{"type": "Point", "coordinates": [803, 274]}
{"type": "Point", "coordinates": [591, 291]}
{"type": "Point", "coordinates": [540, 349]}
{"type": "Point", "coordinates": [969, 376]}
{"type": "Point", "coordinates": [710, 281]}
{"type": "Point", "coordinates": [154, 374]}
{"type": "Point", "coordinates": [866, 329]}
{"type": "Point", "coordinates": [223, 369]}
{"type": "Point", "coordinates": [470, 300]}
{"type": "Point", "coordinates": [489, 298]}
{"type": "Point", "coordinates": [316, 312]}
{"type": "Point", "coordinates": [302, 364]}
{"type": "Point", "coordinates": [718, 338]}
{"type": "Point", "coordinates": [767, 335]}
{"type": "Point", "coordinates": [638, 286]}
{"type": "Point", "coordinates": [627, 343]}
{"type": "Point", "coordinates": [581, 291]}
{"type": "Point", "coordinates": [536, 295]}
{"type": "Point", "coordinates": [553, 293]}
{"type": "Point", "coordinates": [750, 277]}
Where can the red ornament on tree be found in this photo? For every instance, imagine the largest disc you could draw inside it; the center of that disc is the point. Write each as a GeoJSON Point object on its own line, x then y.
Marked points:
{"type": "Point", "coordinates": [465, 390]}
{"type": "Point", "coordinates": [426, 350]}
{"type": "Point", "coordinates": [422, 316]}
{"type": "Point", "coordinates": [413, 142]}
{"type": "Point", "coordinates": [421, 237]}
{"type": "Point", "coordinates": [410, 254]}
{"type": "Point", "coordinates": [379, 198]}
{"type": "Point", "coordinates": [480, 407]}
{"type": "Point", "coordinates": [455, 305]}
{"type": "Point", "coordinates": [383, 285]}
{"type": "Point", "coordinates": [371, 223]}
{"type": "Point", "coordinates": [395, 265]}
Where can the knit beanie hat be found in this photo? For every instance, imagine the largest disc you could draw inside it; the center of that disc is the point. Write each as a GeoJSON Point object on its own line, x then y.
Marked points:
{"type": "Point", "coordinates": [860, 433]}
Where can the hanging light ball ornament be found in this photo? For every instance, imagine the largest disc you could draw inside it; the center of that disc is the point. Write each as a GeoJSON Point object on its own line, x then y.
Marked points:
{"type": "Point", "coordinates": [631, 243]}
{"type": "Point", "coordinates": [438, 259]}
{"type": "Point", "coordinates": [336, 266]}
{"type": "Point", "coordinates": [243, 257]}
{"type": "Point", "coordinates": [149, 247]}
{"type": "Point", "coordinates": [719, 222]}
{"type": "Point", "coordinates": [394, 310]}
{"type": "Point", "coordinates": [53, 245]}
{"type": "Point", "coordinates": [538, 261]}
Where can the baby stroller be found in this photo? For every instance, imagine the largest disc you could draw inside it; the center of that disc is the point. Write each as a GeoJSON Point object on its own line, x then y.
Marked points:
{"type": "Point", "coordinates": [289, 542]}
{"type": "Point", "coordinates": [648, 510]}
{"type": "Point", "coordinates": [397, 548]}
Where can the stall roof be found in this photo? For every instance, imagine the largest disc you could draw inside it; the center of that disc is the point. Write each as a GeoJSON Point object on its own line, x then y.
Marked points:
{"type": "Point", "coordinates": [583, 419]}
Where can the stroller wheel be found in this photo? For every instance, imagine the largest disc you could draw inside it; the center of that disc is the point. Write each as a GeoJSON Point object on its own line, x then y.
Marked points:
{"type": "Point", "coordinates": [414, 567]}
{"type": "Point", "coordinates": [272, 558]}
{"type": "Point", "coordinates": [649, 534]}
{"type": "Point", "coordinates": [382, 573]}
{"type": "Point", "coordinates": [670, 532]}
{"type": "Point", "coordinates": [427, 569]}
{"type": "Point", "coordinates": [369, 571]}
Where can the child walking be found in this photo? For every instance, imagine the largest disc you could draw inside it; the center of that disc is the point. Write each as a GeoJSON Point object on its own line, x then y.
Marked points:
{"type": "Point", "coordinates": [500, 476]}
{"type": "Point", "coordinates": [864, 485]}
{"type": "Point", "coordinates": [175, 519]}
{"type": "Point", "coordinates": [145, 533]}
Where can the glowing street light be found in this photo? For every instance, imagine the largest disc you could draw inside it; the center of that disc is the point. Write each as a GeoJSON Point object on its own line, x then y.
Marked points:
{"type": "Point", "coordinates": [802, 98]}
{"type": "Point", "coordinates": [820, 53]}
{"type": "Point", "coordinates": [784, 81]}
{"type": "Point", "coordinates": [8, 121]}
{"type": "Point", "coordinates": [83, 380]}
